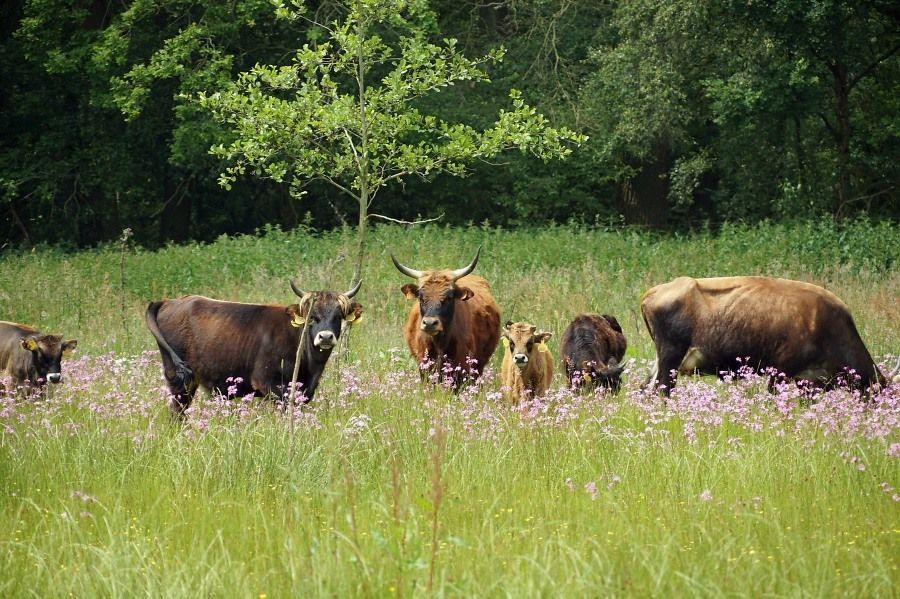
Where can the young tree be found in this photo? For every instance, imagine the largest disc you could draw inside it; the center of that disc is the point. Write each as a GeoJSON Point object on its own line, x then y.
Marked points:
{"type": "Point", "coordinates": [345, 109]}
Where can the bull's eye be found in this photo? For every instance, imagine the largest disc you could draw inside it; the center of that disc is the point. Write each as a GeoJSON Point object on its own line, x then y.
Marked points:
{"type": "Point", "coordinates": [529, 345]}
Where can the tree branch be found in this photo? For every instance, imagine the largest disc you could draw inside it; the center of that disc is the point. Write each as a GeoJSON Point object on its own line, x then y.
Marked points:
{"type": "Point", "coordinates": [828, 125]}
{"type": "Point", "coordinates": [865, 72]}
{"type": "Point", "coordinates": [407, 222]}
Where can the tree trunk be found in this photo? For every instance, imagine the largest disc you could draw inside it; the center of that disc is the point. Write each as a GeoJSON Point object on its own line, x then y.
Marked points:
{"type": "Point", "coordinates": [842, 133]}
{"type": "Point", "coordinates": [644, 198]}
{"type": "Point", "coordinates": [175, 218]}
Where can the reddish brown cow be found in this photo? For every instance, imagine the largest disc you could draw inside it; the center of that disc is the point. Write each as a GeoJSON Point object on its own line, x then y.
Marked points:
{"type": "Point", "coordinates": [27, 355]}
{"type": "Point", "coordinates": [251, 347]}
{"type": "Point", "coordinates": [455, 322]}
{"type": "Point", "coordinates": [710, 326]}
{"type": "Point", "coordinates": [527, 368]}
{"type": "Point", "coordinates": [592, 347]}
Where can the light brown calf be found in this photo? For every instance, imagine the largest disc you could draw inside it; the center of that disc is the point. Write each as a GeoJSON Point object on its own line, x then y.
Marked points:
{"type": "Point", "coordinates": [527, 363]}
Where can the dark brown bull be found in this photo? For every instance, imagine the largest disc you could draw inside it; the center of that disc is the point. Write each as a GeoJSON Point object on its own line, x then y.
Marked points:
{"type": "Point", "coordinates": [592, 348]}
{"type": "Point", "coordinates": [27, 355]}
{"type": "Point", "coordinates": [710, 326]}
{"type": "Point", "coordinates": [251, 347]}
{"type": "Point", "coordinates": [454, 320]}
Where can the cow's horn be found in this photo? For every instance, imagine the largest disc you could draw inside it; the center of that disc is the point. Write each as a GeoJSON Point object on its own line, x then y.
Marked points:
{"type": "Point", "coordinates": [409, 272]}
{"type": "Point", "coordinates": [461, 272]}
{"type": "Point", "coordinates": [896, 369]}
{"type": "Point", "coordinates": [353, 291]}
{"type": "Point", "coordinates": [299, 292]}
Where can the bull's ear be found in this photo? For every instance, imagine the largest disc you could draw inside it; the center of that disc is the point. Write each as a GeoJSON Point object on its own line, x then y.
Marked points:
{"type": "Point", "coordinates": [542, 336]}
{"type": "Point", "coordinates": [463, 293]}
{"type": "Point", "coordinates": [410, 291]}
{"type": "Point", "coordinates": [68, 347]}
{"type": "Point", "coordinates": [297, 320]}
{"type": "Point", "coordinates": [509, 323]}
{"type": "Point", "coordinates": [354, 314]}
{"type": "Point", "coordinates": [29, 343]}
{"type": "Point", "coordinates": [505, 341]}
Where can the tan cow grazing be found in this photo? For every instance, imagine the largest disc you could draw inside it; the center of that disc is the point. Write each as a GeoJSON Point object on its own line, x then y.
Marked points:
{"type": "Point", "coordinates": [710, 326]}
{"type": "Point", "coordinates": [527, 368]}
{"type": "Point", "coordinates": [455, 323]}
{"type": "Point", "coordinates": [26, 354]}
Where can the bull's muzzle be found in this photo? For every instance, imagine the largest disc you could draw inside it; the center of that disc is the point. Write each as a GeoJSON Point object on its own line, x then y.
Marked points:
{"type": "Point", "coordinates": [431, 325]}
{"type": "Point", "coordinates": [54, 377]}
{"type": "Point", "coordinates": [324, 340]}
{"type": "Point", "coordinates": [521, 360]}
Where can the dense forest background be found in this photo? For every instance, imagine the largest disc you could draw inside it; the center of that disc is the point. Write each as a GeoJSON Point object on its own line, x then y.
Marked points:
{"type": "Point", "coordinates": [697, 113]}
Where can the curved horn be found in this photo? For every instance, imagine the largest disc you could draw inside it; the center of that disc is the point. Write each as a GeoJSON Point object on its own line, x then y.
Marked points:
{"type": "Point", "coordinates": [409, 272]}
{"type": "Point", "coordinates": [299, 292]}
{"type": "Point", "coordinates": [461, 272]}
{"type": "Point", "coordinates": [896, 370]}
{"type": "Point", "coordinates": [353, 291]}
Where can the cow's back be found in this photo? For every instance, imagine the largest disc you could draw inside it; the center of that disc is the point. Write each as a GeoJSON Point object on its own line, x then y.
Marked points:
{"type": "Point", "coordinates": [219, 339]}
{"type": "Point", "coordinates": [14, 361]}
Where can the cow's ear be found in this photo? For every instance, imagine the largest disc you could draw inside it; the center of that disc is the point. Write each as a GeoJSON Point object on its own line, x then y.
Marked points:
{"type": "Point", "coordinates": [509, 323]}
{"type": "Point", "coordinates": [297, 320]}
{"type": "Point", "coordinates": [542, 336]}
{"type": "Point", "coordinates": [29, 344]}
{"type": "Point", "coordinates": [463, 293]}
{"type": "Point", "coordinates": [68, 347]}
{"type": "Point", "coordinates": [354, 314]}
{"type": "Point", "coordinates": [410, 291]}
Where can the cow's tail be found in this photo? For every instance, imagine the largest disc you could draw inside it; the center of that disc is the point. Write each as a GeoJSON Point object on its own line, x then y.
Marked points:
{"type": "Point", "coordinates": [647, 324]}
{"type": "Point", "coordinates": [184, 376]}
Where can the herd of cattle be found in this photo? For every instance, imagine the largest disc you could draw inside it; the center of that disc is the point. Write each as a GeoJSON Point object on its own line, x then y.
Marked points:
{"type": "Point", "coordinates": [705, 326]}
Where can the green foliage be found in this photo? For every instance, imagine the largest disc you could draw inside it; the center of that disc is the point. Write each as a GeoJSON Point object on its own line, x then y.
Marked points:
{"type": "Point", "coordinates": [345, 109]}
{"type": "Point", "coordinates": [742, 104]}
{"type": "Point", "coordinates": [697, 113]}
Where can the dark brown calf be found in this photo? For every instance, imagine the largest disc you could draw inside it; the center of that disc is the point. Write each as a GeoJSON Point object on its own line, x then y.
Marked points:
{"type": "Point", "coordinates": [592, 348]}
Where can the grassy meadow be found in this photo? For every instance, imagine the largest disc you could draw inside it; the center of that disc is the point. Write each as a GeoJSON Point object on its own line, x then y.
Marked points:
{"type": "Point", "coordinates": [388, 487]}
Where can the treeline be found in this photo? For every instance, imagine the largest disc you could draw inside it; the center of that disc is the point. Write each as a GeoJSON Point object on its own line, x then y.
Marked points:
{"type": "Point", "coordinates": [696, 112]}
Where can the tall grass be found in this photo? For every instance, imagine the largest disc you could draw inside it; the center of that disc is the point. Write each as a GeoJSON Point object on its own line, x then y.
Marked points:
{"type": "Point", "coordinates": [388, 487]}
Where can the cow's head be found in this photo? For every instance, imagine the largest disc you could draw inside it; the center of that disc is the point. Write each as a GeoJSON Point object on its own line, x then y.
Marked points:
{"type": "Point", "coordinates": [522, 340]}
{"type": "Point", "coordinates": [437, 293]}
{"type": "Point", "coordinates": [589, 373]}
{"type": "Point", "coordinates": [47, 352]}
{"type": "Point", "coordinates": [323, 313]}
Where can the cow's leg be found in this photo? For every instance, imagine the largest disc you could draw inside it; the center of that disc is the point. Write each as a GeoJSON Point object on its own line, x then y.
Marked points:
{"type": "Point", "coordinates": [667, 362]}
